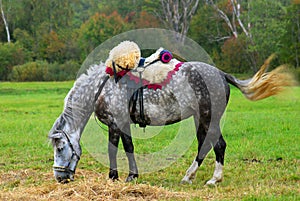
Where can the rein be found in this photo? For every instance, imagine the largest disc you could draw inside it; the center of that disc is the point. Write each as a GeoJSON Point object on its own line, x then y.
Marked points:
{"type": "Point", "coordinates": [100, 88]}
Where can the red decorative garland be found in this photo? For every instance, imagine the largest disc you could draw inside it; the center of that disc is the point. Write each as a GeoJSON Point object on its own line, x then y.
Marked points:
{"type": "Point", "coordinates": [136, 79]}
{"type": "Point", "coordinates": [110, 71]}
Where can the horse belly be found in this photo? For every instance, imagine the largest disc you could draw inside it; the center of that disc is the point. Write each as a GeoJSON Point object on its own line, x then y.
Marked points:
{"type": "Point", "coordinates": [159, 116]}
{"type": "Point", "coordinates": [167, 107]}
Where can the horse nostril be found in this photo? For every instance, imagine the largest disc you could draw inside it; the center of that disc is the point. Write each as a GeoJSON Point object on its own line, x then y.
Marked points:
{"type": "Point", "coordinates": [59, 178]}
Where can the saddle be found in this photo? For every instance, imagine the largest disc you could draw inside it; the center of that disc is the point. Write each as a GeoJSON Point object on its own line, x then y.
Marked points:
{"type": "Point", "coordinates": [126, 66]}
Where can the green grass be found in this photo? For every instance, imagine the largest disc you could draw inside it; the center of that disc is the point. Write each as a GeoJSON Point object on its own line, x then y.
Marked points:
{"type": "Point", "coordinates": [262, 158]}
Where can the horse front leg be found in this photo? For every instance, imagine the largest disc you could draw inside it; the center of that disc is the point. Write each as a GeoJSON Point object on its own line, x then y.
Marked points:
{"type": "Point", "coordinates": [114, 138]}
{"type": "Point", "coordinates": [129, 149]}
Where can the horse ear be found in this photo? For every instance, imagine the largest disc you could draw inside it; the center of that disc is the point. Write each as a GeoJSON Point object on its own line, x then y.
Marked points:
{"type": "Point", "coordinates": [56, 136]}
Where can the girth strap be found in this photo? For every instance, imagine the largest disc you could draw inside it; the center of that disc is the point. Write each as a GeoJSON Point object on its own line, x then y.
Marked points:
{"type": "Point", "coordinates": [137, 95]}
{"type": "Point", "coordinates": [141, 101]}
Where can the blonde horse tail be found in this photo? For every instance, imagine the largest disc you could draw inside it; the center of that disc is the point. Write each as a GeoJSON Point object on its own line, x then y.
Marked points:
{"type": "Point", "coordinates": [264, 84]}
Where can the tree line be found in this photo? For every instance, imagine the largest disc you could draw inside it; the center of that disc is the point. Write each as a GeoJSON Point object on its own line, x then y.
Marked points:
{"type": "Point", "coordinates": [49, 39]}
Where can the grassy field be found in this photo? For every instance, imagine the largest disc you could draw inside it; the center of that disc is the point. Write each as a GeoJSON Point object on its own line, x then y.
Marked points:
{"type": "Point", "coordinates": [262, 158]}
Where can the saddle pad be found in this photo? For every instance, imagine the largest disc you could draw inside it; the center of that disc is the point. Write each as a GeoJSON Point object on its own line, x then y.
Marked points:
{"type": "Point", "coordinates": [156, 75]}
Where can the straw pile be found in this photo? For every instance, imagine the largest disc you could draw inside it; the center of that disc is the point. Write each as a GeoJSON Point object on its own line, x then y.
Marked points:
{"type": "Point", "coordinates": [32, 185]}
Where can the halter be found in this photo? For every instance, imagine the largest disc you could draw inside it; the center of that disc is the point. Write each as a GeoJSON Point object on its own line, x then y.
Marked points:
{"type": "Point", "coordinates": [70, 168]}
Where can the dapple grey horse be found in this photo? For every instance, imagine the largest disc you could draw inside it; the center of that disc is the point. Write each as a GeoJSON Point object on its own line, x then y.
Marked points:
{"type": "Point", "coordinates": [197, 89]}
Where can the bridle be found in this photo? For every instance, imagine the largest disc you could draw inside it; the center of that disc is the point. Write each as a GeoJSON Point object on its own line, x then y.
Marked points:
{"type": "Point", "coordinates": [70, 168]}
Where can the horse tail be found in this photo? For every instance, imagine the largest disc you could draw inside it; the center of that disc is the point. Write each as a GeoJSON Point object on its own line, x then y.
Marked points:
{"type": "Point", "coordinates": [264, 84]}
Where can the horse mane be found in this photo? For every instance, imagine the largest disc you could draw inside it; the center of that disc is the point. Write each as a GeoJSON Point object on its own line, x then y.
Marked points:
{"type": "Point", "coordinates": [83, 90]}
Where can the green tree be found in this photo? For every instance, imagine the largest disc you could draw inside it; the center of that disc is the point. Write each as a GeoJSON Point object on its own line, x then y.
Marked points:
{"type": "Point", "coordinates": [266, 18]}
{"type": "Point", "coordinates": [234, 56]}
{"type": "Point", "coordinates": [11, 54]}
{"type": "Point", "coordinates": [146, 20]}
{"type": "Point", "coordinates": [290, 51]}
{"type": "Point", "coordinates": [83, 10]}
{"type": "Point", "coordinates": [39, 25]}
{"type": "Point", "coordinates": [257, 25]}
{"type": "Point", "coordinates": [208, 31]}
{"type": "Point", "coordinates": [99, 28]}
{"type": "Point", "coordinates": [125, 8]}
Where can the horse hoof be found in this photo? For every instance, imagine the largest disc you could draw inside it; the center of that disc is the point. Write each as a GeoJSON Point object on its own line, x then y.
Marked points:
{"type": "Point", "coordinates": [131, 177]}
{"type": "Point", "coordinates": [212, 182]}
{"type": "Point", "coordinates": [186, 181]}
{"type": "Point", "coordinates": [113, 175]}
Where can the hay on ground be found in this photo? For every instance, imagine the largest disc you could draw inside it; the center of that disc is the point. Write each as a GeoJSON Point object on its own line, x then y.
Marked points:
{"type": "Point", "coordinates": [88, 185]}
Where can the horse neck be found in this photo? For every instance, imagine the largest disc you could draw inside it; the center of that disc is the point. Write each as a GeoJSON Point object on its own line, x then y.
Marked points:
{"type": "Point", "coordinates": [79, 103]}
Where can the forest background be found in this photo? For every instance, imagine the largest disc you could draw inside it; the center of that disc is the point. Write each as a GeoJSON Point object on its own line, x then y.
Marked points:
{"type": "Point", "coordinates": [48, 40]}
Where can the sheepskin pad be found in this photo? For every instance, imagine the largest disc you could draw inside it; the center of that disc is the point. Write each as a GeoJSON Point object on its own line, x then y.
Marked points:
{"type": "Point", "coordinates": [127, 55]}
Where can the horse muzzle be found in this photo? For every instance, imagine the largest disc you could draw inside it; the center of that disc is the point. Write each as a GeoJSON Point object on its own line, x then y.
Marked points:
{"type": "Point", "coordinates": [63, 174]}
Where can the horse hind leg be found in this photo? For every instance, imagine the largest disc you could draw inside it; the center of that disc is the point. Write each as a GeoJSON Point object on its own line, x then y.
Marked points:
{"type": "Point", "coordinates": [191, 172]}
{"type": "Point", "coordinates": [219, 150]}
{"type": "Point", "coordinates": [208, 136]}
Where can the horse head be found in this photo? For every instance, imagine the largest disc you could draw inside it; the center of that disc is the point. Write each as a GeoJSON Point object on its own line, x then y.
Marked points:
{"type": "Point", "coordinates": [67, 152]}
